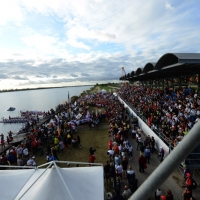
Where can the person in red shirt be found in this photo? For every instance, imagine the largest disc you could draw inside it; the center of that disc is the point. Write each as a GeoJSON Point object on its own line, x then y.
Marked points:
{"type": "Point", "coordinates": [142, 162]}
{"type": "Point", "coordinates": [187, 194]}
{"type": "Point", "coordinates": [169, 195]}
{"type": "Point", "coordinates": [116, 149]}
{"type": "Point", "coordinates": [91, 158]}
{"type": "Point", "coordinates": [189, 181]}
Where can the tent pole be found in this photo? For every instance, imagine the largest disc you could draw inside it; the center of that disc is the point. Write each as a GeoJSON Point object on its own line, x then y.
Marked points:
{"type": "Point", "coordinates": [63, 182]}
{"type": "Point", "coordinates": [33, 182]}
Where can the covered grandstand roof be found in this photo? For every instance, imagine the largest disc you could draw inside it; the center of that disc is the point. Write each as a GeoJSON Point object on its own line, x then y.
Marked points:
{"type": "Point", "coordinates": [170, 64]}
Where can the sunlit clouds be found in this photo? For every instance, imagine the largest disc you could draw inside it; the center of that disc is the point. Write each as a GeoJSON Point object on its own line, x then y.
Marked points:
{"type": "Point", "coordinates": [47, 43]}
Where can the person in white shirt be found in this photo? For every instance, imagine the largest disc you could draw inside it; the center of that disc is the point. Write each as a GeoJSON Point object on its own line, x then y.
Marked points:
{"type": "Point", "coordinates": [130, 152]}
{"type": "Point", "coordinates": [110, 153]}
{"type": "Point", "coordinates": [34, 162]}
{"type": "Point", "coordinates": [19, 150]}
{"type": "Point", "coordinates": [158, 193]}
{"type": "Point", "coordinates": [25, 152]}
{"type": "Point", "coordinates": [119, 170]}
{"type": "Point", "coordinates": [29, 162]}
{"type": "Point", "coordinates": [134, 132]}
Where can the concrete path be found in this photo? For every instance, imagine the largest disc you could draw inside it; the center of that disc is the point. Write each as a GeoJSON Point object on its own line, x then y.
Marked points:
{"type": "Point", "coordinates": [173, 182]}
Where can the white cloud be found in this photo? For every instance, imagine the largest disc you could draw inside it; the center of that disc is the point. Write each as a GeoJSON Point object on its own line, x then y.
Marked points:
{"type": "Point", "coordinates": [168, 6]}
{"type": "Point", "coordinates": [10, 11]}
{"type": "Point", "coordinates": [90, 39]}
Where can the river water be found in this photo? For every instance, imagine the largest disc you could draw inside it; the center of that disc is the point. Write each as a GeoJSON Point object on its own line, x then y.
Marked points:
{"type": "Point", "coordinates": [40, 100]}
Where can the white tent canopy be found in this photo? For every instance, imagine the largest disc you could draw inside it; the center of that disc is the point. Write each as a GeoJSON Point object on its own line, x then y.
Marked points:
{"type": "Point", "coordinates": [103, 91]}
{"type": "Point", "coordinates": [53, 183]}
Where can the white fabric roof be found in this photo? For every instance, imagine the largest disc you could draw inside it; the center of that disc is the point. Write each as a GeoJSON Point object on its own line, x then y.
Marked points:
{"type": "Point", "coordinates": [53, 183]}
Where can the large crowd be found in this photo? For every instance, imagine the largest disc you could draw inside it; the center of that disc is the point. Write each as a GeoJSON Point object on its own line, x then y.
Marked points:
{"type": "Point", "coordinates": [171, 111]}
{"type": "Point", "coordinates": [174, 112]}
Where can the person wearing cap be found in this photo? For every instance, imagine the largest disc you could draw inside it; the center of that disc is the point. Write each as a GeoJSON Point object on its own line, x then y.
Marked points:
{"type": "Point", "coordinates": [34, 162]}
{"type": "Point", "coordinates": [30, 162]}
{"type": "Point", "coordinates": [126, 193]}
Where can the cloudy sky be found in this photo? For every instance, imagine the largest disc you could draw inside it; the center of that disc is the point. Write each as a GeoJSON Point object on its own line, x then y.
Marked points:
{"type": "Point", "coordinates": [63, 42]}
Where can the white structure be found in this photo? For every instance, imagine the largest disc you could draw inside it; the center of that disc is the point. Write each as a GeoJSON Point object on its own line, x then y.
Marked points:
{"type": "Point", "coordinates": [147, 130]}
{"type": "Point", "coordinates": [53, 183]}
{"type": "Point", "coordinates": [103, 91]}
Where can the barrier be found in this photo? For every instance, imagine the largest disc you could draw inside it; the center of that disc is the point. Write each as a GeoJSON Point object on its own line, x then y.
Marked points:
{"type": "Point", "coordinates": [146, 129]}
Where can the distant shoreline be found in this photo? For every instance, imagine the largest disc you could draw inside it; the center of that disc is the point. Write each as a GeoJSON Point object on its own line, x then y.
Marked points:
{"type": "Point", "coordinates": [41, 88]}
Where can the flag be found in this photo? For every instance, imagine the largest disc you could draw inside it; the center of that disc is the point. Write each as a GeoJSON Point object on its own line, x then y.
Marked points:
{"type": "Point", "coordinates": [68, 96]}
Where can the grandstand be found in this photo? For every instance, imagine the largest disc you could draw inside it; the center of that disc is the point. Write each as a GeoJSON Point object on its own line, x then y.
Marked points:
{"type": "Point", "coordinates": [167, 99]}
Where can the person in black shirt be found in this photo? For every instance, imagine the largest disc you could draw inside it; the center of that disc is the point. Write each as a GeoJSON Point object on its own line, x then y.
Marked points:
{"type": "Point", "coordinates": [92, 150]}
{"type": "Point", "coordinates": [107, 172]}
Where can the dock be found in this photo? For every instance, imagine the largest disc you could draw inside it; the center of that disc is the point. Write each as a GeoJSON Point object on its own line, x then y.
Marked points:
{"type": "Point", "coordinates": [18, 138]}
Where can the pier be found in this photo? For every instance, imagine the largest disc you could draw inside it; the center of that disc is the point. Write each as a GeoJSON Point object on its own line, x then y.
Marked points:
{"type": "Point", "coordinates": [18, 138]}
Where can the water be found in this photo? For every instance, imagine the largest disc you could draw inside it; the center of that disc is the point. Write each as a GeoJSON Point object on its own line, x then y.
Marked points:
{"type": "Point", "coordinates": [40, 100]}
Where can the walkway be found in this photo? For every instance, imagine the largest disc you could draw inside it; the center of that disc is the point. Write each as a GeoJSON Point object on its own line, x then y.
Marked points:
{"type": "Point", "coordinates": [173, 182]}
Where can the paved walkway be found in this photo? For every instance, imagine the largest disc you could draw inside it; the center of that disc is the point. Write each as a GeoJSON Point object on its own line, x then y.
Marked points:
{"type": "Point", "coordinates": [173, 182]}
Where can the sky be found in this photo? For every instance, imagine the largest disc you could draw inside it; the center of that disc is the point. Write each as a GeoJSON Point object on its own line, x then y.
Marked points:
{"type": "Point", "coordinates": [53, 43]}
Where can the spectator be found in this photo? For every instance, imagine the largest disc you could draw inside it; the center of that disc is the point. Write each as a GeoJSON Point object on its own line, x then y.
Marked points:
{"type": "Point", "coordinates": [124, 167]}
{"type": "Point", "coordinates": [119, 171]}
{"type": "Point", "coordinates": [79, 141]}
{"type": "Point", "coordinates": [126, 193]}
{"type": "Point", "coordinates": [25, 152]}
{"type": "Point", "coordinates": [92, 150]}
{"type": "Point", "coordinates": [161, 154]}
{"type": "Point", "coordinates": [130, 152]}
{"type": "Point", "coordinates": [113, 174]}
{"type": "Point", "coordinates": [147, 154]}
{"type": "Point", "coordinates": [139, 140]}
{"type": "Point", "coordinates": [118, 186]}
{"type": "Point", "coordinates": [142, 162]}
{"type": "Point", "coordinates": [130, 174]}
{"type": "Point", "coordinates": [152, 144]}
{"type": "Point", "coordinates": [107, 172]}
{"type": "Point", "coordinates": [110, 153]}
{"type": "Point", "coordinates": [117, 160]}
{"type": "Point", "coordinates": [187, 194]}
{"type": "Point", "coordinates": [158, 194]}
{"type": "Point", "coordinates": [20, 161]}
{"type": "Point", "coordinates": [186, 171]}
{"type": "Point", "coordinates": [30, 161]}
{"type": "Point", "coordinates": [169, 195]}
{"type": "Point", "coordinates": [92, 158]}
{"type": "Point", "coordinates": [189, 181]}
{"type": "Point", "coordinates": [34, 162]}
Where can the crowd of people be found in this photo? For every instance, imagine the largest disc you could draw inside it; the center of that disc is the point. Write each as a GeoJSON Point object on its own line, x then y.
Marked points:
{"type": "Point", "coordinates": [51, 139]}
{"type": "Point", "coordinates": [172, 111]}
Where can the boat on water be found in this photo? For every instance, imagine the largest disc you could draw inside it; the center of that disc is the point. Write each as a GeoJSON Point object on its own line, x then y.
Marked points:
{"type": "Point", "coordinates": [11, 109]}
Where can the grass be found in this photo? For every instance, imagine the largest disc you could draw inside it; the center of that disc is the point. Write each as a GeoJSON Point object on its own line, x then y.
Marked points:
{"type": "Point", "coordinates": [97, 138]}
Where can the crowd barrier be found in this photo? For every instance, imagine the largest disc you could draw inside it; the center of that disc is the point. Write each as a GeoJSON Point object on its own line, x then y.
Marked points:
{"type": "Point", "coordinates": [146, 129]}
